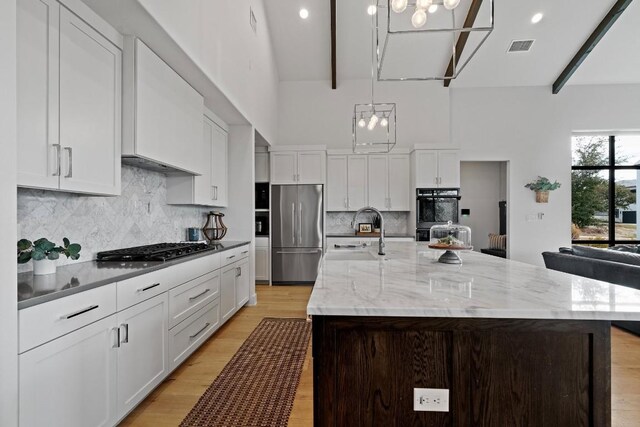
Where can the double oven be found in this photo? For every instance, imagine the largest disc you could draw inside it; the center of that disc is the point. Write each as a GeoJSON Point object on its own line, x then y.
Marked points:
{"type": "Point", "coordinates": [435, 206]}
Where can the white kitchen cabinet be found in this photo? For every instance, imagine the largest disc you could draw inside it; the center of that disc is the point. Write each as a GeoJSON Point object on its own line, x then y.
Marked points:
{"type": "Point", "coordinates": [143, 354]}
{"type": "Point", "coordinates": [219, 168]}
{"type": "Point", "coordinates": [262, 259]}
{"type": "Point", "coordinates": [262, 167]}
{"type": "Point", "coordinates": [162, 113]}
{"type": "Point", "coordinates": [243, 282]}
{"type": "Point", "coordinates": [399, 196]}
{"type": "Point", "coordinates": [71, 381]}
{"type": "Point", "coordinates": [298, 167]}
{"type": "Point", "coordinates": [209, 188]}
{"type": "Point", "coordinates": [377, 182]}
{"type": "Point", "coordinates": [436, 168]}
{"type": "Point", "coordinates": [337, 183]}
{"type": "Point", "coordinates": [228, 291]}
{"type": "Point", "coordinates": [186, 337]}
{"type": "Point", "coordinates": [357, 182]}
{"type": "Point", "coordinates": [69, 102]}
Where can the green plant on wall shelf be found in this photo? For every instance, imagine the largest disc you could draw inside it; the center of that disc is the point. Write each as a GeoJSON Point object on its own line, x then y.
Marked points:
{"type": "Point", "coordinates": [44, 249]}
{"type": "Point", "coordinates": [542, 186]}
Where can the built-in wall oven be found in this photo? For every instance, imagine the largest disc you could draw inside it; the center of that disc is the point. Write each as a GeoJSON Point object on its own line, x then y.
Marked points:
{"type": "Point", "coordinates": [435, 206]}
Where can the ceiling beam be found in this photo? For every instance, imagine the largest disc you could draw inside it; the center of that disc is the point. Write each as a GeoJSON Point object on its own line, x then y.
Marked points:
{"type": "Point", "coordinates": [590, 44]}
{"type": "Point", "coordinates": [462, 38]}
{"type": "Point", "coordinates": [333, 45]}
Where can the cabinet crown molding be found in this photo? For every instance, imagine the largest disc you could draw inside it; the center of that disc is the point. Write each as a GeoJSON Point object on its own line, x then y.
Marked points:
{"type": "Point", "coordinates": [298, 148]}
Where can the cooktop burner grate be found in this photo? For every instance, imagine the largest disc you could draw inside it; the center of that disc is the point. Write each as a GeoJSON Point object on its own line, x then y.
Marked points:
{"type": "Point", "coordinates": [155, 252]}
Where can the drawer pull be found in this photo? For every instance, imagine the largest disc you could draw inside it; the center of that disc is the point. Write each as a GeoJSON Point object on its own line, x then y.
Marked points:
{"type": "Point", "coordinates": [155, 285]}
{"type": "Point", "coordinates": [117, 331]}
{"type": "Point", "coordinates": [79, 312]}
{"type": "Point", "coordinates": [199, 295]}
{"type": "Point", "coordinates": [125, 336]}
{"type": "Point", "coordinates": [232, 256]}
{"type": "Point", "coordinates": [245, 252]}
{"type": "Point", "coordinates": [206, 325]}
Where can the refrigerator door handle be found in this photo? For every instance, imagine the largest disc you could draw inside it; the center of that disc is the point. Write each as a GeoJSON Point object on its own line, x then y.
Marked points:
{"type": "Point", "coordinates": [299, 224]}
{"type": "Point", "coordinates": [293, 222]}
{"type": "Point", "coordinates": [298, 252]}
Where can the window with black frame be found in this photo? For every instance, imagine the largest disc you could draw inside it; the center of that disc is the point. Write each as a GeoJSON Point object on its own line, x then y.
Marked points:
{"type": "Point", "coordinates": [605, 174]}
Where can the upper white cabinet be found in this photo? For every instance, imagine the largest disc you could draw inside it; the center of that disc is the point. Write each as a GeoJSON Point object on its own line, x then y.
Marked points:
{"type": "Point", "coordinates": [209, 188]}
{"type": "Point", "coordinates": [298, 167]}
{"type": "Point", "coordinates": [69, 101]}
{"type": "Point", "coordinates": [162, 112]}
{"type": "Point", "coordinates": [262, 167]}
{"type": "Point", "coordinates": [337, 183]}
{"type": "Point", "coordinates": [389, 182]}
{"type": "Point", "coordinates": [436, 168]}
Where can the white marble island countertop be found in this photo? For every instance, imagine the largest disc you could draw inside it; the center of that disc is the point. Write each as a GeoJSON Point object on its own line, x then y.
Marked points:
{"type": "Point", "coordinates": [409, 282]}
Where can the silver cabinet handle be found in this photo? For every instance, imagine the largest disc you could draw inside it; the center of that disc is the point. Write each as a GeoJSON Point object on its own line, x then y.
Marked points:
{"type": "Point", "coordinates": [245, 252]}
{"type": "Point", "coordinates": [238, 272]}
{"type": "Point", "coordinates": [199, 295]}
{"type": "Point", "coordinates": [155, 285]}
{"type": "Point", "coordinates": [231, 257]}
{"type": "Point", "coordinates": [216, 187]}
{"type": "Point", "coordinates": [117, 331]}
{"type": "Point", "coordinates": [345, 203]}
{"type": "Point", "coordinates": [56, 171]}
{"type": "Point", "coordinates": [124, 337]}
{"type": "Point", "coordinates": [213, 192]}
{"type": "Point", "coordinates": [79, 312]}
{"type": "Point", "coordinates": [69, 151]}
{"type": "Point", "coordinates": [206, 325]}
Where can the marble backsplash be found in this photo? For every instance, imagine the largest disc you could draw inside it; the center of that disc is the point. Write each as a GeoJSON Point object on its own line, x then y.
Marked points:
{"type": "Point", "coordinates": [394, 222]}
{"type": "Point", "coordinates": [140, 216]}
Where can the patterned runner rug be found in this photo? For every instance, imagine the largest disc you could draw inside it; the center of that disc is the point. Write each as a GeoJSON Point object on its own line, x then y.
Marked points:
{"type": "Point", "coordinates": [258, 385]}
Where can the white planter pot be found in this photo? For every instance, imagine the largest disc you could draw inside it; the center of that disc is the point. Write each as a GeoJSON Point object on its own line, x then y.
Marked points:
{"type": "Point", "coordinates": [44, 266]}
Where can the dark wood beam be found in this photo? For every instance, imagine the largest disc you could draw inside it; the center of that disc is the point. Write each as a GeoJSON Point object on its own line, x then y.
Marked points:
{"type": "Point", "coordinates": [462, 38]}
{"type": "Point", "coordinates": [591, 43]}
{"type": "Point", "coordinates": [334, 83]}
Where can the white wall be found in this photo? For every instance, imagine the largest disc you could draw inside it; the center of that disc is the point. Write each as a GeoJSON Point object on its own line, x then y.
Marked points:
{"type": "Point", "coordinates": [8, 286]}
{"type": "Point", "coordinates": [312, 113]}
{"type": "Point", "coordinates": [218, 37]}
{"type": "Point", "coordinates": [480, 192]}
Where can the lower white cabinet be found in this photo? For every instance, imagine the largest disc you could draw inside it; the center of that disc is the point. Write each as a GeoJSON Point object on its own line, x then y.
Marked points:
{"type": "Point", "coordinates": [142, 353]}
{"type": "Point", "coordinates": [243, 282]}
{"type": "Point", "coordinates": [228, 291]}
{"type": "Point", "coordinates": [71, 381]}
{"type": "Point", "coordinates": [186, 337]}
{"type": "Point", "coordinates": [262, 263]}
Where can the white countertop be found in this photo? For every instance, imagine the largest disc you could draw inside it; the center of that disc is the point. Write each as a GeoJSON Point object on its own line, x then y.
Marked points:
{"type": "Point", "coordinates": [409, 282]}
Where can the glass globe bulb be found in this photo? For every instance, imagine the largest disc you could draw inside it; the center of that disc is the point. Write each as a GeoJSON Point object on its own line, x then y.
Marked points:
{"type": "Point", "coordinates": [398, 6]}
{"type": "Point", "coordinates": [419, 18]}
{"type": "Point", "coordinates": [371, 10]}
{"type": "Point", "coordinates": [373, 121]}
{"type": "Point", "coordinates": [362, 122]}
{"type": "Point", "coordinates": [423, 4]}
{"type": "Point", "coordinates": [384, 122]}
{"type": "Point", "coordinates": [433, 8]}
{"type": "Point", "coordinates": [450, 4]}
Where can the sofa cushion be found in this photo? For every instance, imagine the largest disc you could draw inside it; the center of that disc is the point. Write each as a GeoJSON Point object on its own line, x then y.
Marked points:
{"type": "Point", "coordinates": [606, 254]}
{"type": "Point", "coordinates": [627, 248]}
{"type": "Point", "coordinates": [497, 241]}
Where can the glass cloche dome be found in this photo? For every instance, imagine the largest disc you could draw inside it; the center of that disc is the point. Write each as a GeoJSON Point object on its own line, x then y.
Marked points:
{"type": "Point", "coordinates": [450, 238]}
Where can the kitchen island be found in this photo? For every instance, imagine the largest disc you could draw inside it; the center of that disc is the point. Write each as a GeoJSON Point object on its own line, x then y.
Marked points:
{"type": "Point", "coordinates": [514, 344]}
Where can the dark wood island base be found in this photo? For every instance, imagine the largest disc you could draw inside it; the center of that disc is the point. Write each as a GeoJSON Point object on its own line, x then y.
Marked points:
{"type": "Point", "coordinates": [499, 372]}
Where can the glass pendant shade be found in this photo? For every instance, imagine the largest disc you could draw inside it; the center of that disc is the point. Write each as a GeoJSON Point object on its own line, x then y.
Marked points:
{"type": "Point", "coordinates": [450, 4]}
{"type": "Point", "coordinates": [433, 8]}
{"type": "Point", "coordinates": [399, 6]}
{"type": "Point", "coordinates": [419, 18]}
{"type": "Point", "coordinates": [373, 121]}
{"type": "Point", "coordinates": [384, 122]}
{"type": "Point", "coordinates": [362, 123]}
{"type": "Point", "coordinates": [423, 4]}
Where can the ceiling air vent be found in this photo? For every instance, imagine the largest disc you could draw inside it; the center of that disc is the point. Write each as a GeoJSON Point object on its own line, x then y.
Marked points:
{"type": "Point", "coordinates": [520, 46]}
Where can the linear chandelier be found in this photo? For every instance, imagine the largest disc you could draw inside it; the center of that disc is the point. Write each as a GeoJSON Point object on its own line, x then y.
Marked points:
{"type": "Point", "coordinates": [428, 18]}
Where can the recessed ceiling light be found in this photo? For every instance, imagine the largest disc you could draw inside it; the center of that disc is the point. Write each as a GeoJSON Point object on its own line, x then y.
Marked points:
{"type": "Point", "coordinates": [433, 8]}
{"type": "Point", "coordinates": [304, 13]}
{"type": "Point", "coordinates": [371, 10]}
{"type": "Point", "coordinates": [536, 18]}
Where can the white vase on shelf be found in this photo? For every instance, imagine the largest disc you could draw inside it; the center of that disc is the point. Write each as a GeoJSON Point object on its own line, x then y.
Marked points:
{"type": "Point", "coordinates": [44, 266]}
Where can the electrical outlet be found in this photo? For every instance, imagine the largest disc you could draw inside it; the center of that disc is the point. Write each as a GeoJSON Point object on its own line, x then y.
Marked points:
{"type": "Point", "coordinates": [431, 399]}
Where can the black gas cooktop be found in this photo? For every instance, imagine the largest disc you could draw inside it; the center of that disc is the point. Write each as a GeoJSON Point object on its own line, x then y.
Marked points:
{"type": "Point", "coordinates": [155, 252]}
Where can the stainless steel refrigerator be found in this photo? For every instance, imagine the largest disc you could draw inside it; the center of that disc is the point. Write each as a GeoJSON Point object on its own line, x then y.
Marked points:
{"type": "Point", "coordinates": [296, 233]}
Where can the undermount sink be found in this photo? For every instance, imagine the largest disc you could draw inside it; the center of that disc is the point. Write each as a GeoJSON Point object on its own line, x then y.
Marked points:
{"type": "Point", "coordinates": [349, 256]}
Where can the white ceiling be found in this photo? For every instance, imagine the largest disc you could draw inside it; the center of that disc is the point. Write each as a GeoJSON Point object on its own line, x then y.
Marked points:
{"type": "Point", "coordinates": [303, 49]}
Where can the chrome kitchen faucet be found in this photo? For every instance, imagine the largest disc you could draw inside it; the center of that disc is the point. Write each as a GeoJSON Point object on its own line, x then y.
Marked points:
{"type": "Point", "coordinates": [372, 209]}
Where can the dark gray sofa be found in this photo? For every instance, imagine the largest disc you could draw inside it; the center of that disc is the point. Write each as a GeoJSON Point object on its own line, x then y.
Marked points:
{"type": "Point", "coordinates": [618, 267]}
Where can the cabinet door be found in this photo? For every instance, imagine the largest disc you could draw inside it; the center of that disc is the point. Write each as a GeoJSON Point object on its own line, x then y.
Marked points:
{"type": "Point", "coordinates": [90, 102]}
{"type": "Point", "coordinates": [426, 169]}
{"type": "Point", "coordinates": [228, 291]}
{"type": "Point", "coordinates": [203, 192]}
{"type": "Point", "coordinates": [449, 169]}
{"type": "Point", "coordinates": [143, 353]}
{"type": "Point", "coordinates": [284, 167]}
{"type": "Point", "coordinates": [399, 183]}
{"type": "Point", "coordinates": [337, 183]}
{"type": "Point", "coordinates": [219, 172]}
{"type": "Point", "coordinates": [71, 381]}
{"type": "Point", "coordinates": [262, 167]}
{"type": "Point", "coordinates": [377, 181]}
{"type": "Point", "coordinates": [357, 194]}
{"type": "Point", "coordinates": [262, 264]}
{"type": "Point", "coordinates": [311, 167]}
{"type": "Point", "coordinates": [243, 282]}
{"type": "Point", "coordinates": [37, 60]}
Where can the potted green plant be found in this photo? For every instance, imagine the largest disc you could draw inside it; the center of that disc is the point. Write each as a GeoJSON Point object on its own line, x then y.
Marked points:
{"type": "Point", "coordinates": [542, 186]}
{"type": "Point", "coordinates": [44, 253]}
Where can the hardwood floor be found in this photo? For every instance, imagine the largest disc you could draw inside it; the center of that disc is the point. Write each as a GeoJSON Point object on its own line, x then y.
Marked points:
{"type": "Point", "coordinates": [170, 402]}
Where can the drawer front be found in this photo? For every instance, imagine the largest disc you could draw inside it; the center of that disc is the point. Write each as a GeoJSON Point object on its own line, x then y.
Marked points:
{"type": "Point", "coordinates": [243, 252]}
{"type": "Point", "coordinates": [184, 272]}
{"type": "Point", "coordinates": [44, 322]}
{"type": "Point", "coordinates": [186, 299]}
{"type": "Point", "coordinates": [229, 257]}
{"type": "Point", "coordinates": [185, 338]}
{"type": "Point", "coordinates": [141, 288]}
